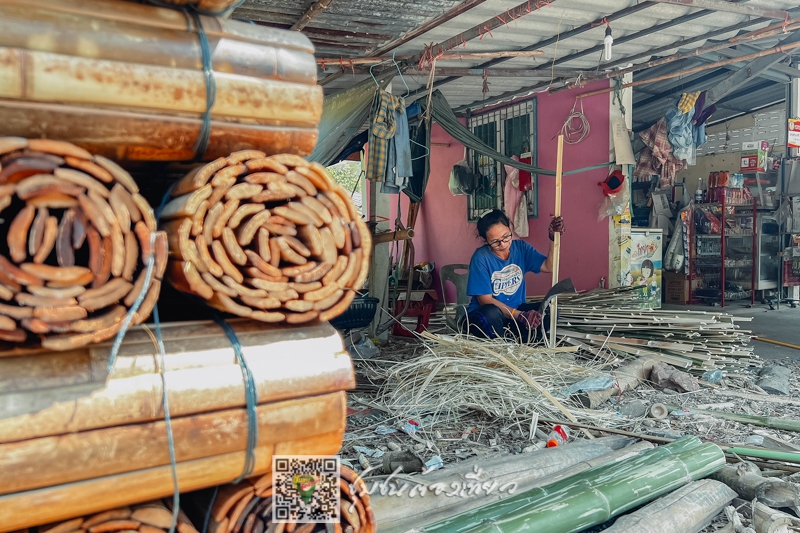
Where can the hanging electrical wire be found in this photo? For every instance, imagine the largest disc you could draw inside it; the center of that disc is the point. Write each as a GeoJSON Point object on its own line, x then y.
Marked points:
{"type": "Point", "coordinates": [576, 126]}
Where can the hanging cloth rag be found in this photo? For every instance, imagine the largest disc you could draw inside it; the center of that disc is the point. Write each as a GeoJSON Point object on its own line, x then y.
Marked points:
{"type": "Point", "coordinates": [521, 217]}
{"type": "Point", "coordinates": [688, 101]}
{"type": "Point", "coordinates": [680, 135]}
{"type": "Point", "coordinates": [381, 129]}
{"type": "Point", "coordinates": [525, 182]}
{"type": "Point", "coordinates": [657, 157]}
{"type": "Point", "coordinates": [399, 167]}
{"type": "Point", "coordinates": [511, 197]}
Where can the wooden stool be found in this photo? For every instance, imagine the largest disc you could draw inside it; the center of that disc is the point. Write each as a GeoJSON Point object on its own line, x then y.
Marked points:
{"type": "Point", "coordinates": [422, 304]}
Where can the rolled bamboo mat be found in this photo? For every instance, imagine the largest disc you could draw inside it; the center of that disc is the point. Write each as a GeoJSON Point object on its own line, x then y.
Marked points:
{"type": "Point", "coordinates": [269, 238]}
{"type": "Point", "coordinates": [149, 517]}
{"type": "Point", "coordinates": [77, 238]}
{"type": "Point", "coordinates": [102, 443]}
{"type": "Point", "coordinates": [247, 508]}
{"type": "Point", "coordinates": [126, 80]}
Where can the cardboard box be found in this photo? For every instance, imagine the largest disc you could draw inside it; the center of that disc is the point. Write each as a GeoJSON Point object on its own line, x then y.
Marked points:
{"type": "Point", "coordinates": [675, 287]}
{"type": "Point", "coordinates": [754, 156]}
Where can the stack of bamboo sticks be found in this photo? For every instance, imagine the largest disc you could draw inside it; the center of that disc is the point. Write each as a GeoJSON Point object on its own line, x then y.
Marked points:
{"type": "Point", "coordinates": [76, 441]}
{"type": "Point", "coordinates": [79, 233]}
{"type": "Point", "coordinates": [247, 508]}
{"type": "Point", "coordinates": [127, 80]}
{"type": "Point", "coordinates": [270, 238]}
{"type": "Point", "coordinates": [604, 322]}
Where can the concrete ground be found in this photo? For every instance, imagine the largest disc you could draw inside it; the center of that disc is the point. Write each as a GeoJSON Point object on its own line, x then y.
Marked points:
{"type": "Point", "coordinates": [780, 325]}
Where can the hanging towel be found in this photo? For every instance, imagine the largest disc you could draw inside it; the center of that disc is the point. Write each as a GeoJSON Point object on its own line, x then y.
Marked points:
{"type": "Point", "coordinates": [657, 158]}
{"type": "Point", "coordinates": [680, 135]}
{"type": "Point", "coordinates": [511, 196]}
{"type": "Point", "coordinates": [521, 217]}
{"type": "Point", "coordinates": [525, 182]}
{"type": "Point", "coordinates": [688, 101]}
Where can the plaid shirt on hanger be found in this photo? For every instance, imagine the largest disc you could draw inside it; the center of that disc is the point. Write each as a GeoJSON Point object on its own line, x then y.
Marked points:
{"type": "Point", "coordinates": [381, 130]}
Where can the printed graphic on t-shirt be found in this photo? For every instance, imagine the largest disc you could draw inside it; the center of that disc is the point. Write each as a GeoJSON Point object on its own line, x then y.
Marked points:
{"type": "Point", "coordinates": [506, 281]}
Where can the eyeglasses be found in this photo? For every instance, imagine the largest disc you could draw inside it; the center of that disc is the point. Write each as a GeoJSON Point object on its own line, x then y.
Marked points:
{"type": "Point", "coordinates": [500, 242]}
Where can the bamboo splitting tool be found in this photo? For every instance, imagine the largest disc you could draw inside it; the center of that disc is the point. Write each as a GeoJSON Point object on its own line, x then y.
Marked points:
{"type": "Point", "coordinates": [269, 238]}
{"type": "Point", "coordinates": [78, 234]}
{"type": "Point", "coordinates": [556, 239]}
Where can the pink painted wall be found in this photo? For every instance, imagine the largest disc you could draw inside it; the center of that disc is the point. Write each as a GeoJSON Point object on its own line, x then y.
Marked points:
{"type": "Point", "coordinates": [444, 236]}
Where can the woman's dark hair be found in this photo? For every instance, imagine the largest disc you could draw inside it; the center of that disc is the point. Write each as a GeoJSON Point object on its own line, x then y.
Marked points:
{"type": "Point", "coordinates": [649, 264]}
{"type": "Point", "coordinates": [490, 219]}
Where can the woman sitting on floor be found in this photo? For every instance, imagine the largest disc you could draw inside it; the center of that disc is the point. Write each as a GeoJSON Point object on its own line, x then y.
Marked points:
{"type": "Point", "coordinates": [497, 281]}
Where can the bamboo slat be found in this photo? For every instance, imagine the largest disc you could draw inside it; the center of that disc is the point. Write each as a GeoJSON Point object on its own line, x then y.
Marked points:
{"type": "Point", "coordinates": [52, 504]}
{"type": "Point", "coordinates": [68, 275]}
{"type": "Point", "coordinates": [127, 81]}
{"type": "Point", "coordinates": [249, 503]}
{"type": "Point", "coordinates": [286, 364]}
{"type": "Point", "coordinates": [280, 242]}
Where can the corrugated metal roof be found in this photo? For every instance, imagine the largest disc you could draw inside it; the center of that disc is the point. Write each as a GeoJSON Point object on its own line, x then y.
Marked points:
{"type": "Point", "coordinates": [374, 23]}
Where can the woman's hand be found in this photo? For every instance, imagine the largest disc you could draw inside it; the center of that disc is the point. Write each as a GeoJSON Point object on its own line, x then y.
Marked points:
{"type": "Point", "coordinates": [531, 318]}
{"type": "Point", "coordinates": [556, 226]}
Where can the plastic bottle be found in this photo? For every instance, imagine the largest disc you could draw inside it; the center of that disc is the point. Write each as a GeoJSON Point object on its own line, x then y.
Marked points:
{"type": "Point", "coordinates": [557, 437]}
{"type": "Point", "coordinates": [698, 194]}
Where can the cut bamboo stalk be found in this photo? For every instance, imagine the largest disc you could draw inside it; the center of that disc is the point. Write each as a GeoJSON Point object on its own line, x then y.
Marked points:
{"type": "Point", "coordinates": [628, 377]}
{"type": "Point", "coordinates": [596, 495]}
{"type": "Point", "coordinates": [247, 253]}
{"type": "Point", "coordinates": [62, 502]}
{"type": "Point", "coordinates": [556, 239]}
{"type": "Point", "coordinates": [36, 230]}
{"type": "Point", "coordinates": [526, 472]}
{"type": "Point", "coordinates": [686, 510]}
{"type": "Point", "coordinates": [51, 461]}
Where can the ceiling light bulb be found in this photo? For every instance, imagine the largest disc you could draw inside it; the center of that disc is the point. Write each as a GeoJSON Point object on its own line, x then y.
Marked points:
{"type": "Point", "coordinates": [607, 42]}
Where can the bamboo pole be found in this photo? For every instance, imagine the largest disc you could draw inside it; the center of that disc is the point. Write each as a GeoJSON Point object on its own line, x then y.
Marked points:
{"type": "Point", "coordinates": [595, 495]}
{"type": "Point", "coordinates": [765, 421]}
{"type": "Point", "coordinates": [686, 510]}
{"type": "Point", "coordinates": [52, 461]}
{"type": "Point", "coordinates": [30, 508]}
{"type": "Point", "coordinates": [556, 240]}
{"type": "Point", "coordinates": [763, 33]}
{"type": "Point", "coordinates": [527, 471]}
{"type": "Point", "coordinates": [775, 50]}
{"type": "Point", "coordinates": [393, 236]}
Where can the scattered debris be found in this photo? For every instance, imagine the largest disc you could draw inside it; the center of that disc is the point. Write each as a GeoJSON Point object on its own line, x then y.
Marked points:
{"type": "Point", "coordinates": [774, 379]}
{"type": "Point", "coordinates": [663, 376]}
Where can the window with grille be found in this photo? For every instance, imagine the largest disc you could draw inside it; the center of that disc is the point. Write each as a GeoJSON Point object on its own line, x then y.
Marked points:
{"type": "Point", "coordinates": [511, 131]}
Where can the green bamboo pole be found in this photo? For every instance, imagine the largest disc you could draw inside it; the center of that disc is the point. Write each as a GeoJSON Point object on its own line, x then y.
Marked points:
{"type": "Point", "coordinates": [765, 421]}
{"type": "Point", "coordinates": [594, 496]}
{"type": "Point", "coordinates": [788, 457]}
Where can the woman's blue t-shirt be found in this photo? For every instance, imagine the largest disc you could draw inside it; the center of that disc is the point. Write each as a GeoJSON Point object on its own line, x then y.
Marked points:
{"type": "Point", "coordinates": [504, 280]}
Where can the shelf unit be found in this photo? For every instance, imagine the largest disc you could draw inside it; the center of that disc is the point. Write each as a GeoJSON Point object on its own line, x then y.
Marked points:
{"type": "Point", "coordinates": [710, 252]}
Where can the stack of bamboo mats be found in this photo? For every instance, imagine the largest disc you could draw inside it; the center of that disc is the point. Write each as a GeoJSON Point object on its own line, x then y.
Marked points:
{"type": "Point", "coordinates": [76, 441]}
{"type": "Point", "coordinates": [126, 81]}
{"type": "Point", "coordinates": [78, 235]}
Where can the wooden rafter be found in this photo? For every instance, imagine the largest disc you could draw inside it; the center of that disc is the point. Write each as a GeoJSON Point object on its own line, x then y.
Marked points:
{"type": "Point", "coordinates": [525, 8]}
{"type": "Point", "coordinates": [413, 34]}
{"type": "Point", "coordinates": [314, 9]}
{"type": "Point", "coordinates": [730, 7]}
